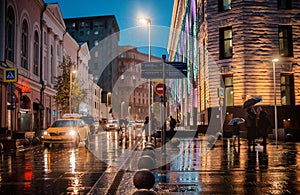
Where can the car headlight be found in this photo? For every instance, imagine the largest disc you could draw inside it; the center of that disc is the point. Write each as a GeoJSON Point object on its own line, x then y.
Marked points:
{"type": "Point", "coordinates": [46, 133]}
{"type": "Point", "coordinates": [72, 133]}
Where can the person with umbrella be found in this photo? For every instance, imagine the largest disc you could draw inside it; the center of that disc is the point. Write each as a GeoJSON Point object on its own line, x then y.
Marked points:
{"type": "Point", "coordinates": [263, 125]}
{"type": "Point", "coordinates": [235, 122]}
{"type": "Point", "coordinates": [236, 133]}
{"type": "Point", "coordinates": [251, 126]}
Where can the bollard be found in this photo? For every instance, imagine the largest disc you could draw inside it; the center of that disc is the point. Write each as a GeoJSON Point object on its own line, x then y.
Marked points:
{"type": "Point", "coordinates": [150, 144]}
{"type": "Point", "coordinates": [143, 179]}
{"type": "Point", "coordinates": [149, 147]}
{"type": "Point", "coordinates": [289, 137]}
{"type": "Point", "coordinates": [175, 142]}
{"type": "Point", "coordinates": [219, 135]}
{"type": "Point", "coordinates": [211, 139]}
{"type": "Point", "coordinates": [146, 162]}
{"type": "Point", "coordinates": [149, 153]}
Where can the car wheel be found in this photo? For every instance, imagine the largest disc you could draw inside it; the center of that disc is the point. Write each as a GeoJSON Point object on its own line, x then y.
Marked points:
{"type": "Point", "coordinates": [76, 143]}
{"type": "Point", "coordinates": [46, 145]}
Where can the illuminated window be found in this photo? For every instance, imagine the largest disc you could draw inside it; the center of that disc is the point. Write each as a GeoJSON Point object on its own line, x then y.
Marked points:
{"type": "Point", "coordinates": [24, 45]}
{"type": "Point", "coordinates": [224, 5]}
{"type": "Point", "coordinates": [36, 54]}
{"type": "Point", "coordinates": [96, 43]}
{"type": "Point", "coordinates": [225, 42]}
{"type": "Point", "coordinates": [96, 54]}
{"type": "Point", "coordinates": [10, 32]}
{"type": "Point", "coordinates": [287, 90]}
{"type": "Point", "coordinates": [228, 90]}
{"type": "Point", "coordinates": [285, 41]}
{"type": "Point", "coordinates": [284, 4]}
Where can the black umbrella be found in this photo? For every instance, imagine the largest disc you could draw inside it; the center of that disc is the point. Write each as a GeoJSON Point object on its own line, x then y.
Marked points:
{"type": "Point", "coordinates": [252, 101]}
{"type": "Point", "coordinates": [237, 120]}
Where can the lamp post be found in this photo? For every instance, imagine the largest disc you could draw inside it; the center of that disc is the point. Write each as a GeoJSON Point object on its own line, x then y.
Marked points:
{"type": "Point", "coordinates": [275, 107]}
{"type": "Point", "coordinates": [71, 81]}
{"type": "Point", "coordinates": [109, 93]}
{"type": "Point", "coordinates": [148, 22]}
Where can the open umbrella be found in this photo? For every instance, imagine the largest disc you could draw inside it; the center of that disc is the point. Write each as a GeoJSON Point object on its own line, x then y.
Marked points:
{"type": "Point", "coordinates": [237, 120]}
{"type": "Point", "coordinates": [252, 101]}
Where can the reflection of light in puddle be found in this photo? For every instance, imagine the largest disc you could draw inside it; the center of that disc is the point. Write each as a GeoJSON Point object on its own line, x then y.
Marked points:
{"type": "Point", "coordinates": [73, 161]}
{"type": "Point", "coordinates": [47, 163]}
{"type": "Point", "coordinates": [76, 182]}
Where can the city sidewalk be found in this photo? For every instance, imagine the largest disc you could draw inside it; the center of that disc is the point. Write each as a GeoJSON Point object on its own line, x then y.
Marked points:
{"type": "Point", "coordinates": [200, 168]}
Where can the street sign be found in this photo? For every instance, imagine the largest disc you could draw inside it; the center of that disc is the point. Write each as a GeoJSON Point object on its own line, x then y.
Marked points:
{"type": "Point", "coordinates": [10, 74]}
{"type": "Point", "coordinates": [159, 88]}
{"type": "Point", "coordinates": [173, 70]}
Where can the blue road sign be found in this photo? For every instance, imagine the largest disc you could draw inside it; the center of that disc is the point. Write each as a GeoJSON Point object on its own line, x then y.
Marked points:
{"type": "Point", "coordinates": [10, 74]}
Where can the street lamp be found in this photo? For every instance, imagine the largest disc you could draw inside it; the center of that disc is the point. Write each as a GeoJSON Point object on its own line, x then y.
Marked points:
{"type": "Point", "coordinates": [71, 75]}
{"type": "Point", "coordinates": [275, 107]}
{"type": "Point", "coordinates": [108, 94]}
{"type": "Point", "coordinates": [148, 22]}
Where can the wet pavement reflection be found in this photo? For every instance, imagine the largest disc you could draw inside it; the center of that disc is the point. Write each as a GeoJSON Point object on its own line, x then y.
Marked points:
{"type": "Point", "coordinates": [61, 169]}
{"type": "Point", "coordinates": [225, 169]}
{"type": "Point", "coordinates": [194, 167]}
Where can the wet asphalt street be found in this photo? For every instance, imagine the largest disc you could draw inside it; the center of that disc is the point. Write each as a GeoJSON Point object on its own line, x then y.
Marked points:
{"type": "Point", "coordinates": [194, 167]}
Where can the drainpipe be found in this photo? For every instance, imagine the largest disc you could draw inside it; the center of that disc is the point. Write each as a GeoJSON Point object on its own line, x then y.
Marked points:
{"type": "Point", "coordinates": [41, 106]}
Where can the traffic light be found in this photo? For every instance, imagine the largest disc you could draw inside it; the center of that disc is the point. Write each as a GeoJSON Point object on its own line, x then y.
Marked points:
{"type": "Point", "coordinates": [11, 107]}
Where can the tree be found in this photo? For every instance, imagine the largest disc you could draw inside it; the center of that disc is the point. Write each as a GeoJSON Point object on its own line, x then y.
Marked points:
{"type": "Point", "coordinates": [63, 84]}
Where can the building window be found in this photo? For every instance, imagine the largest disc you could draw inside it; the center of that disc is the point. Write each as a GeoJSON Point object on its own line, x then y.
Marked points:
{"type": "Point", "coordinates": [228, 90]}
{"type": "Point", "coordinates": [224, 5]}
{"type": "Point", "coordinates": [287, 90]}
{"type": "Point", "coordinates": [96, 43]}
{"type": "Point", "coordinates": [225, 42]}
{"type": "Point", "coordinates": [24, 45]}
{"type": "Point", "coordinates": [285, 41]}
{"type": "Point", "coordinates": [10, 32]}
{"type": "Point", "coordinates": [96, 54]}
{"type": "Point", "coordinates": [284, 4]}
{"type": "Point", "coordinates": [36, 56]}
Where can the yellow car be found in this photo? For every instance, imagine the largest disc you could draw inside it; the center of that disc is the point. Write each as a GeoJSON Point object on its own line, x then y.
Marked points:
{"type": "Point", "coordinates": [66, 130]}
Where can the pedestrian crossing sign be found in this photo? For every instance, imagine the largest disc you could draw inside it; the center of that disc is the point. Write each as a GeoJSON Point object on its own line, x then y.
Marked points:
{"type": "Point", "coordinates": [10, 74]}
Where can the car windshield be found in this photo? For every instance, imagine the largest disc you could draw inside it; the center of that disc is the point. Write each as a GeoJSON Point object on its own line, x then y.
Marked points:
{"type": "Point", "coordinates": [64, 123]}
{"type": "Point", "coordinates": [113, 122]}
{"type": "Point", "coordinates": [88, 120]}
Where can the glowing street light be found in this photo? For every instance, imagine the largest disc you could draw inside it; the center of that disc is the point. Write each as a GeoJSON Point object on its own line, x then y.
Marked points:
{"type": "Point", "coordinates": [275, 107]}
{"type": "Point", "coordinates": [147, 21]}
{"type": "Point", "coordinates": [71, 81]}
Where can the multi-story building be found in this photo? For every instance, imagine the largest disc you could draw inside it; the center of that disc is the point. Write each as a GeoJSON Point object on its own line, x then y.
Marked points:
{"type": "Point", "coordinates": [102, 35]}
{"type": "Point", "coordinates": [132, 89]}
{"type": "Point", "coordinates": [231, 45]}
{"type": "Point", "coordinates": [32, 36]}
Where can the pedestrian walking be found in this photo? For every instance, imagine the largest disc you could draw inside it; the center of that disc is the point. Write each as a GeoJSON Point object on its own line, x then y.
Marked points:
{"type": "Point", "coordinates": [146, 127]}
{"type": "Point", "coordinates": [263, 125]}
{"type": "Point", "coordinates": [172, 124]}
{"type": "Point", "coordinates": [236, 133]}
{"type": "Point", "coordinates": [251, 127]}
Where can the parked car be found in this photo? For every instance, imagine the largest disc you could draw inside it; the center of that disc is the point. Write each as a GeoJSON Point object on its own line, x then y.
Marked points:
{"type": "Point", "coordinates": [139, 124]}
{"type": "Point", "coordinates": [112, 125]}
{"type": "Point", "coordinates": [92, 122]}
{"type": "Point", "coordinates": [66, 130]}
